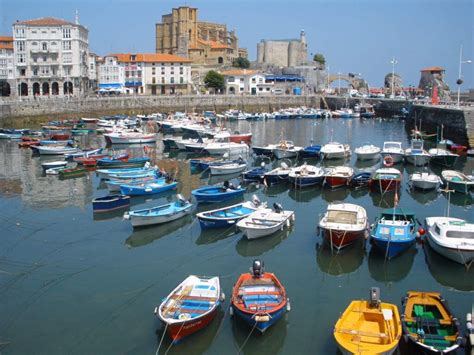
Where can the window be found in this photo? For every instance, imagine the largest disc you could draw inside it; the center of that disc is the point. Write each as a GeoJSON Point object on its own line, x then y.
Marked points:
{"type": "Point", "coordinates": [172, 80]}
{"type": "Point", "coordinates": [66, 33]}
{"type": "Point", "coordinates": [21, 46]}
{"type": "Point", "coordinates": [133, 57]}
{"type": "Point", "coordinates": [181, 80]}
{"type": "Point", "coordinates": [22, 72]}
{"type": "Point", "coordinates": [67, 57]}
{"type": "Point", "coordinates": [21, 58]}
{"type": "Point", "coordinates": [44, 59]}
{"type": "Point", "coordinates": [153, 80]}
{"type": "Point", "coordinates": [162, 80]}
{"type": "Point", "coordinates": [254, 80]}
{"type": "Point", "coordinates": [260, 89]}
{"type": "Point", "coordinates": [66, 45]}
{"type": "Point", "coordinates": [20, 32]}
{"type": "Point", "coordinates": [67, 71]}
{"type": "Point", "coordinates": [230, 79]}
{"type": "Point", "coordinates": [241, 80]}
{"type": "Point", "coordinates": [241, 89]}
{"type": "Point", "coordinates": [181, 71]}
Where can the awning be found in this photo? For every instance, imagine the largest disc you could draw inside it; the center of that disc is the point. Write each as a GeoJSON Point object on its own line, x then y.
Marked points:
{"type": "Point", "coordinates": [110, 86]}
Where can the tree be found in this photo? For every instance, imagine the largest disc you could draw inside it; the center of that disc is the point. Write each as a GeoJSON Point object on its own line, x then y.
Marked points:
{"type": "Point", "coordinates": [214, 80]}
{"type": "Point", "coordinates": [241, 63]}
{"type": "Point", "coordinates": [318, 57]}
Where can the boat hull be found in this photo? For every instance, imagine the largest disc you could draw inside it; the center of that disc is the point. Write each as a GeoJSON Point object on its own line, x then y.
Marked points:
{"type": "Point", "coordinates": [461, 256]}
{"type": "Point", "coordinates": [367, 156]}
{"type": "Point", "coordinates": [418, 160]}
{"type": "Point", "coordinates": [139, 191]}
{"type": "Point", "coordinates": [459, 186]}
{"type": "Point", "coordinates": [179, 331]}
{"type": "Point", "coordinates": [112, 204]}
{"type": "Point", "coordinates": [217, 170]}
{"type": "Point", "coordinates": [259, 151]}
{"type": "Point", "coordinates": [384, 185]}
{"type": "Point", "coordinates": [285, 154]}
{"type": "Point", "coordinates": [425, 185]}
{"type": "Point", "coordinates": [334, 155]}
{"type": "Point", "coordinates": [336, 181]}
{"type": "Point", "coordinates": [217, 197]}
{"type": "Point", "coordinates": [140, 221]}
{"type": "Point", "coordinates": [306, 181]}
{"type": "Point", "coordinates": [395, 247]}
{"type": "Point", "coordinates": [275, 179]}
{"type": "Point", "coordinates": [340, 239]}
{"type": "Point", "coordinates": [396, 157]}
{"type": "Point", "coordinates": [249, 318]}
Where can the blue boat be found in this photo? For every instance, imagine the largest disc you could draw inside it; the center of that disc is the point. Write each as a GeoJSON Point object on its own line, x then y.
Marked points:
{"type": "Point", "coordinates": [110, 203]}
{"type": "Point", "coordinates": [361, 179]}
{"type": "Point", "coordinates": [114, 185]}
{"type": "Point", "coordinates": [104, 173]}
{"type": "Point", "coordinates": [311, 151]}
{"type": "Point", "coordinates": [134, 174]}
{"type": "Point", "coordinates": [258, 298]}
{"type": "Point", "coordinates": [147, 188]}
{"type": "Point", "coordinates": [210, 194]}
{"type": "Point", "coordinates": [129, 163]}
{"type": "Point", "coordinates": [160, 214]}
{"type": "Point", "coordinates": [255, 174]}
{"type": "Point", "coordinates": [54, 142]}
{"type": "Point", "coordinates": [394, 232]}
{"type": "Point", "coordinates": [228, 216]}
{"type": "Point", "coordinates": [277, 176]}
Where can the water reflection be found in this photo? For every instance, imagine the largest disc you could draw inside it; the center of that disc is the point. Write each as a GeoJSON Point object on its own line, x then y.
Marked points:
{"type": "Point", "coordinates": [424, 197]}
{"type": "Point", "coordinates": [459, 199]}
{"type": "Point", "coordinates": [367, 165]}
{"type": "Point", "coordinates": [196, 343]}
{"type": "Point", "coordinates": [102, 216]}
{"type": "Point", "coordinates": [209, 236]}
{"type": "Point", "coordinates": [275, 190]}
{"type": "Point", "coordinates": [269, 343]}
{"type": "Point", "coordinates": [257, 247]}
{"type": "Point", "coordinates": [216, 179]}
{"type": "Point", "coordinates": [339, 194]}
{"type": "Point", "coordinates": [347, 261]}
{"type": "Point", "coordinates": [304, 194]}
{"type": "Point", "coordinates": [386, 200]}
{"type": "Point", "coordinates": [147, 235]}
{"type": "Point", "coordinates": [392, 270]}
{"type": "Point", "coordinates": [358, 192]}
{"type": "Point", "coordinates": [447, 272]}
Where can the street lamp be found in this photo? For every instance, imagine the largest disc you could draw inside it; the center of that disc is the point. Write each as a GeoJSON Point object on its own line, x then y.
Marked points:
{"type": "Point", "coordinates": [460, 81]}
{"type": "Point", "coordinates": [393, 62]}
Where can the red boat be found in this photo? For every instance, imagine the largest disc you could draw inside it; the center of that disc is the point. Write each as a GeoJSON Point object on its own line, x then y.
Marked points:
{"type": "Point", "coordinates": [88, 160]}
{"type": "Point", "coordinates": [343, 224]}
{"type": "Point", "coordinates": [458, 148]}
{"type": "Point", "coordinates": [26, 144]}
{"type": "Point", "coordinates": [385, 179]}
{"type": "Point", "coordinates": [338, 176]}
{"type": "Point", "coordinates": [191, 306]}
{"type": "Point", "coordinates": [239, 138]}
{"type": "Point", "coordinates": [60, 136]}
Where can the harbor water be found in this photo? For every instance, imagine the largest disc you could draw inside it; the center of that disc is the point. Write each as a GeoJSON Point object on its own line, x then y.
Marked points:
{"type": "Point", "coordinates": [72, 282]}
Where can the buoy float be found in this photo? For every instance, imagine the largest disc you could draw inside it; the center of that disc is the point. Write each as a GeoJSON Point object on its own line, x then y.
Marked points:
{"type": "Point", "coordinates": [388, 161]}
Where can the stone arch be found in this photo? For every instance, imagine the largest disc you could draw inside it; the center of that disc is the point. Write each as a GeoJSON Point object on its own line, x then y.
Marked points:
{"type": "Point", "coordinates": [232, 90]}
{"type": "Point", "coordinates": [45, 88]}
{"type": "Point", "coordinates": [67, 88]}
{"type": "Point", "coordinates": [55, 88]}
{"type": "Point", "coordinates": [5, 89]}
{"type": "Point", "coordinates": [220, 60]}
{"type": "Point", "coordinates": [36, 89]}
{"type": "Point", "coordinates": [23, 89]}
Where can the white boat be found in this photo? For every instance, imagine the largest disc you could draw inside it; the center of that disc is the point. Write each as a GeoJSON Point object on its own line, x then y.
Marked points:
{"type": "Point", "coordinates": [265, 221]}
{"type": "Point", "coordinates": [53, 164]}
{"type": "Point", "coordinates": [130, 137]}
{"type": "Point", "coordinates": [160, 214]}
{"type": "Point", "coordinates": [334, 150]}
{"type": "Point", "coordinates": [416, 155]}
{"type": "Point", "coordinates": [230, 168]}
{"type": "Point", "coordinates": [286, 149]}
{"type": "Point", "coordinates": [458, 181]}
{"type": "Point", "coordinates": [425, 181]}
{"type": "Point", "coordinates": [443, 157]}
{"type": "Point", "coordinates": [394, 150]}
{"type": "Point", "coordinates": [451, 237]}
{"type": "Point", "coordinates": [306, 175]}
{"type": "Point", "coordinates": [367, 152]}
{"type": "Point", "coordinates": [47, 150]}
{"type": "Point", "coordinates": [220, 148]}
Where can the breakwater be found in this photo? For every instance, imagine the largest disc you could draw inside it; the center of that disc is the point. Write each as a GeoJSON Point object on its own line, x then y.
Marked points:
{"type": "Point", "coordinates": [383, 107]}
{"type": "Point", "coordinates": [147, 104]}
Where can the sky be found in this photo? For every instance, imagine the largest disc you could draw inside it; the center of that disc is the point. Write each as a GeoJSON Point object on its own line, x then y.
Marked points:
{"type": "Point", "coordinates": [357, 36]}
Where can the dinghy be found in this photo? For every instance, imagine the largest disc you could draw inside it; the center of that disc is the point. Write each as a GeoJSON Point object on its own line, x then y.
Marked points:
{"type": "Point", "coordinates": [114, 185]}
{"type": "Point", "coordinates": [228, 168]}
{"type": "Point", "coordinates": [190, 307]}
{"type": "Point", "coordinates": [229, 216]}
{"type": "Point", "coordinates": [52, 150]}
{"type": "Point", "coordinates": [277, 176]}
{"type": "Point", "coordinates": [210, 194]}
{"type": "Point", "coordinates": [148, 188]}
{"type": "Point", "coordinates": [361, 179]}
{"type": "Point", "coordinates": [428, 323]}
{"type": "Point", "coordinates": [306, 175]}
{"type": "Point", "coordinates": [367, 152]}
{"type": "Point", "coordinates": [110, 203]}
{"type": "Point", "coordinates": [54, 164]}
{"type": "Point", "coordinates": [425, 181]}
{"type": "Point", "coordinates": [369, 327]}
{"type": "Point", "coordinates": [265, 222]}
{"type": "Point", "coordinates": [258, 298]}
{"type": "Point", "coordinates": [457, 181]}
{"type": "Point", "coordinates": [255, 174]}
{"type": "Point", "coordinates": [337, 176]}
{"type": "Point", "coordinates": [160, 214]}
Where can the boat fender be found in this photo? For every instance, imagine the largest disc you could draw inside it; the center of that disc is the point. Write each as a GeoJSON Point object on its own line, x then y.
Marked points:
{"type": "Point", "coordinates": [261, 319]}
{"type": "Point", "coordinates": [231, 311]}
{"type": "Point", "coordinates": [388, 161]}
{"type": "Point", "coordinates": [126, 216]}
{"type": "Point", "coordinates": [288, 305]}
{"type": "Point", "coordinates": [288, 223]}
{"type": "Point", "coordinates": [293, 217]}
{"type": "Point", "coordinates": [155, 312]}
{"type": "Point", "coordinates": [222, 297]}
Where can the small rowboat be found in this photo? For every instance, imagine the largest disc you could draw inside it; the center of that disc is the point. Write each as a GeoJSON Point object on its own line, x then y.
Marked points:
{"type": "Point", "coordinates": [209, 194]}
{"type": "Point", "coordinates": [89, 159]}
{"type": "Point", "coordinates": [134, 174]}
{"type": "Point", "coordinates": [385, 179]}
{"type": "Point", "coordinates": [338, 176]}
{"type": "Point", "coordinates": [72, 172]}
{"type": "Point", "coordinates": [425, 181]}
{"type": "Point", "coordinates": [52, 150]}
{"type": "Point", "coordinates": [278, 175]}
{"type": "Point", "coordinates": [114, 185]}
{"type": "Point", "coordinates": [265, 222]}
{"type": "Point", "coordinates": [369, 327]}
{"type": "Point", "coordinates": [255, 174]}
{"type": "Point", "coordinates": [229, 216]}
{"type": "Point", "coordinates": [457, 181]}
{"type": "Point", "coordinates": [53, 164]}
{"type": "Point", "coordinates": [191, 306]}
{"type": "Point", "coordinates": [258, 298]}
{"type": "Point", "coordinates": [429, 324]}
{"type": "Point", "coordinates": [159, 214]}
{"type": "Point", "coordinates": [361, 179]}
{"type": "Point", "coordinates": [110, 203]}
{"type": "Point", "coordinates": [147, 188]}
{"type": "Point", "coordinates": [128, 163]}
{"type": "Point", "coordinates": [306, 175]}
{"type": "Point", "coordinates": [229, 168]}
{"type": "Point", "coordinates": [104, 173]}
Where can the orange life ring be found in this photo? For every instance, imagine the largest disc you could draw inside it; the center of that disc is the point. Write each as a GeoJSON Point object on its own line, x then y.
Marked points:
{"type": "Point", "coordinates": [388, 161]}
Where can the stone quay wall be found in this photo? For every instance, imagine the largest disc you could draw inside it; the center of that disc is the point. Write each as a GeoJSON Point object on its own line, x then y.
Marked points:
{"type": "Point", "coordinates": [148, 104]}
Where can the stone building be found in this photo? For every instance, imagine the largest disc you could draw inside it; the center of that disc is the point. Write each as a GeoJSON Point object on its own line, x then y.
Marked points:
{"type": "Point", "coordinates": [7, 67]}
{"type": "Point", "coordinates": [145, 73]}
{"type": "Point", "coordinates": [283, 52]}
{"type": "Point", "coordinates": [245, 81]}
{"type": "Point", "coordinates": [431, 77]}
{"type": "Point", "coordinates": [180, 33]}
{"type": "Point", "coordinates": [51, 57]}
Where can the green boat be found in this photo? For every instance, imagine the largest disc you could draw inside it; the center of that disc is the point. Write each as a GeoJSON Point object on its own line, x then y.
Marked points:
{"type": "Point", "coordinates": [428, 323]}
{"type": "Point", "coordinates": [72, 172]}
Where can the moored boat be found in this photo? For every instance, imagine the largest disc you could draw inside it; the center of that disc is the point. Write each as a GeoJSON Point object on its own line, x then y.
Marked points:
{"type": "Point", "coordinates": [369, 327]}
{"type": "Point", "coordinates": [265, 222]}
{"type": "Point", "coordinates": [451, 237]}
{"type": "Point", "coordinates": [210, 194]}
{"type": "Point", "coordinates": [191, 306]}
{"type": "Point", "coordinates": [54, 150]}
{"type": "Point", "coordinates": [259, 298]}
{"type": "Point", "coordinates": [416, 154]}
{"type": "Point", "coordinates": [53, 164]}
{"type": "Point", "coordinates": [361, 179]}
{"type": "Point", "coordinates": [227, 168]}
{"type": "Point", "coordinates": [255, 174]}
{"type": "Point", "coordinates": [428, 323]}
{"type": "Point", "coordinates": [367, 152]}
{"type": "Point", "coordinates": [443, 157]}
{"type": "Point", "coordinates": [334, 150]}
{"type": "Point", "coordinates": [148, 188]}
{"type": "Point", "coordinates": [425, 181]}
{"type": "Point", "coordinates": [130, 137]}
{"type": "Point", "coordinates": [128, 163]}
{"type": "Point", "coordinates": [343, 224]}
{"type": "Point", "coordinates": [457, 181]}
{"type": "Point", "coordinates": [160, 214]}
{"type": "Point", "coordinates": [385, 179]}
{"type": "Point", "coordinates": [393, 150]}
{"type": "Point", "coordinates": [110, 203]}
{"type": "Point", "coordinates": [277, 176]}
{"type": "Point", "coordinates": [65, 173]}
{"type": "Point", "coordinates": [306, 175]}
{"type": "Point", "coordinates": [337, 176]}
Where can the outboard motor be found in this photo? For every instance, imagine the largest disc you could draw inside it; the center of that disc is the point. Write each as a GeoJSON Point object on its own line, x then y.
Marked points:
{"type": "Point", "coordinates": [284, 165]}
{"type": "Point", "coordinates": [226, 184]}
{"type": "Point", "coordinates": [255, 200]}
{"type": "Point", "coordinates": [181, 199]}
{"type": "Point", "coordinates": [257, 268]}
{"type": "Point", "coordinates": [278, 207]}
{"type": "Point", "coordinates": [374, 300]}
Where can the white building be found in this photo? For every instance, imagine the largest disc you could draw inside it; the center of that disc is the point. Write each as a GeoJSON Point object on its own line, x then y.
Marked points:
{"type": "Point", "coordinates": [93, 71]}
{"type": "Point", "coordinates": [51, 57]}
{"type": "Point", "coordinates": [245, 81]}
{"type": "Point", "coordinates": [7, 68]}
{"type": "Point", "coordinates": [145, 74]}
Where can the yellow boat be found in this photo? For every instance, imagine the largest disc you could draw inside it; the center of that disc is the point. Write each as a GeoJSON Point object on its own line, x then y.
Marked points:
{"type": "Point", "coordinates": [369, 327]}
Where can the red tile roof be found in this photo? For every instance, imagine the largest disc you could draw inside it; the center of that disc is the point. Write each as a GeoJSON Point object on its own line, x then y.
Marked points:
{"type": "Point", "coordinates": [6, 39]}
{"type": "Point", "coordinates": [45, 21]}
{"type": "Point", "coordinates": [239, 72]}
{"type": "Point", "coordinates": [433, 69]}
{"type": "Point", "coordinates": [6, 46]}
{"type": "Point", "coordinates": [214, 44]}
{"type": "Point", "coordinates": [149, 57]}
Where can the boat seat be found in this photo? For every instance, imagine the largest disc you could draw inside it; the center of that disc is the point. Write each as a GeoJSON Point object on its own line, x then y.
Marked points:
{"type": "Point", "coordinates": [189, 297]}
{"type": "Point", "coordinates": [263, 306]}
{"type": "Point", "coordinates": [362, 333]}
{"type": "Point", "coordinates": [429, 321]}
{"type": "Point", "coordinates": [251, 293]}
